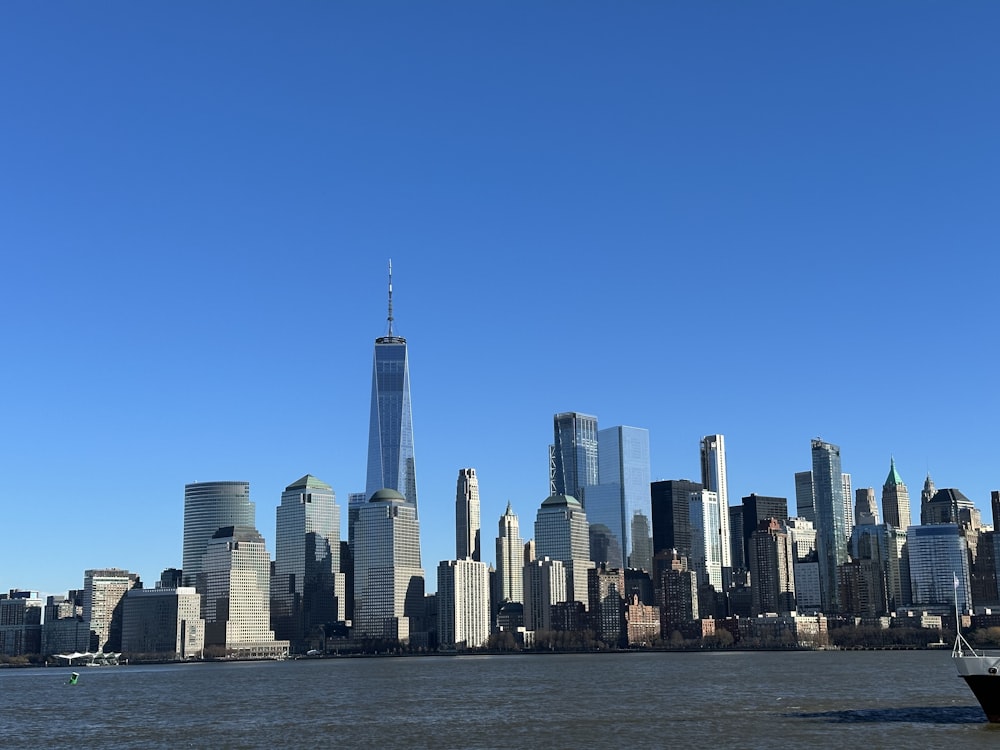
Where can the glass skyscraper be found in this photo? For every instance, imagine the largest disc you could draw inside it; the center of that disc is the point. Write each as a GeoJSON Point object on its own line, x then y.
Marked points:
{"type": "Point", "coordinates": [308, 587]}
{"type": "Point", "coordinates": [208, 507]}
{"type": "Point", "coordinates": [390, 430]}
{"type": "Point", "coordinates": [713, 478]}
{"type": "Point", "coordinates": [623, 493]}
{"type": "Point", "coordinates": [573, 456]}
{"type": "Point", "coordinates": [831, 525]}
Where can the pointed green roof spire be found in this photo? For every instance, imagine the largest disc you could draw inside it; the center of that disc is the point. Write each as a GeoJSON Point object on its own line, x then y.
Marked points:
{"type": "Point", "coordinates": [893, 480]}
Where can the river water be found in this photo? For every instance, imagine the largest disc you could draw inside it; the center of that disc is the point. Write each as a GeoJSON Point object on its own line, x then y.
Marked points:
{"type": "Point", "coordinates": [856, 699]}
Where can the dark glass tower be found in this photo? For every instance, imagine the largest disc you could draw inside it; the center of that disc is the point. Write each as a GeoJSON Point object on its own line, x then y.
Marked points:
{"type": "Point", "coordinates": [390, 430]}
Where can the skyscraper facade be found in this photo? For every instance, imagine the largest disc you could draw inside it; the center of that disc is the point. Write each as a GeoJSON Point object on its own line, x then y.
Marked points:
{"type": "Point", "coordinates": [103, 591]}
{"type": "Point", "coordinates": [895, 499]}
{"type": "Point", "coordinates": [544, 585]}
{"type": "Point", "coordinates": [938, 555]}
{"type": "Point", "coordinates": [621, 496]}
{"type": "Point", "coordinates": [237, 606]}
{"type": "Point", "coordinates": [865, 510]}
{"type": "Point", "coordinates": [510, 559]}
{"type": "Point", "coordinates": [165, 621]}
{"type": "Point", "coordinates": [573, 463]}
{"type": "Point", "coordinates": [831, 528]}
{"type": "Point", "coordinates": [467, 543]}
{"type": "Point", "coordinates": [562, 533]}
{"type": "Point", "coordinates": [671, 516]}
{"type": "Point", "coordinates": [714, 479]}
{"type": "Point", "coordinates": [463, 600]}
{"type": "Point", "coordinates": [805, 499]}
{"type": "Point", "coordinates": [757, 508]}
{"type": "Point", "coordinates": [706, 541]}
{"type": "Point", "coordinates": [208, 507]}
{"type": "Point", "coordinates": [388, 578]}
{"type": "Point", "coordinates": [308, 588]}
{"type": "Point", "coordinates": [772, 569]}
{"type": "Point", "coordinates": [391, 462]}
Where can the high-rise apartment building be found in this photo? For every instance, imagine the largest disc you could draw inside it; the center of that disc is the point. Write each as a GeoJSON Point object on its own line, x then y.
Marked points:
{"type": "Point", "coordinates": [831, 528]}
{"type": "Point", "coordinates": [20, 623]}
{"type": "Point", "coordinates": [388, 577]}
{"type": "Point", "coordinates": [706, 541]}
{"type": "Point", "coordinates": [573, 463]}
{"type": "Point", "coordinates": [467, 544]}
{"type": "Point", "coordinates": [103, 591]}
{"type": "Point", "coordinates": [714, 479]}
{"type": "Point", "coordinates": [671, 515]}
{"type": "Point", "coordinates": [308, 587]}
{"type": "Point", "coordinates": [208, 507]}
{"type": "Point", "coordinates": [463, 601]}
{"type": "Point", "coordinates": [544, 586]}
{"type": "Point", "coordinates": [757, 508]}
{"type": "Point", "coordinates": [621, 497]}
{"type": "Point", "coordinates": [772, 569]}
{"type": "Point", "coordinates": [510, 559]}
{"type": "Point", "coordinates": [562, 533]}
{"type": "Point", "coordinates": [391, 462]}
{"type": "Point", "coordinates": [606, 593]}
{"type": "Point", "coordinates": [237, 599]}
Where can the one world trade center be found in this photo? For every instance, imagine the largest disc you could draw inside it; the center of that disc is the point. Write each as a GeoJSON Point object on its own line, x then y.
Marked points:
{"type": "Point", "coordinates": [390, 431]}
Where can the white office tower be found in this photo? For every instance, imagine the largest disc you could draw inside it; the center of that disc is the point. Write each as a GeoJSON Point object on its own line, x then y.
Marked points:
{"type": "Point", "coordinates": [237, 572]}
{"type": "Point", "coordinates": [463, 600]}
{"type": "Point", "coordinates": [510, 559]}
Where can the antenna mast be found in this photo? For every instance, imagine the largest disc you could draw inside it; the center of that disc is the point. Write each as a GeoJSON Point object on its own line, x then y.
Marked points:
{"type": "Point", "coordinates": [390, 297]}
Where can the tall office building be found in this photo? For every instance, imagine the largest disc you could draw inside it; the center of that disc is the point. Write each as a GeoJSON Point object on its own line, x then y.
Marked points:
{"type": "Point", "coordinates": [467, 516]}
{"type": "Point", "coordinates": [641, 557]}
{"type": "Point", "coordinates": [772, 569]}
{"type": "Point", "coordinates": [671, 516]}
{"type": "Point", "coordinates": [463, 601]}
{"type": "Point", "coordinates": [713, 478]}
{"type": "Point", "coordinates": [865, 510]}
{"type": "Point", "coordinates": [237, 599]}
{"type": "Point", "coordinates": [757, 508]}
{"type": "Point", "coordinates": [573, 462]}
{"type": "Point", "coordinates": [544, 585]}
{"type": "Point", "coordinates": [805, 499]}
{"type": "Point", "coordinates": [388, 578]}
{"type": "Point", "coordinates": [103, 591]}
{"type": "Point", "coordinates": [307, 591]}
{"type": "Point", "coordinates": [885, 581]}
{"type": "Point", "coordinates": [621, 496]}
{"type": "Point", "coordinates": [938, 554]}
{"type": "Point", "coordinates": [831, 529]}
{"type": "Point", "coordinates": [562, 533]}
{"type": "Point", "coordinates": [606, 594]}
{"type": "Point", "coordinates": [736, 542]}
{"type": "Point", "coordinates": [510, 559]}
{"type": "Point", "coordinates": [208, 507]}
{"type": "Point", "coordinates": [391, 462]}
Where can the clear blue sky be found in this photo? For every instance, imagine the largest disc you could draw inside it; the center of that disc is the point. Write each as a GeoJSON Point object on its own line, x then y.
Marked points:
{"type": "Point", "coordinates": [771, 220]}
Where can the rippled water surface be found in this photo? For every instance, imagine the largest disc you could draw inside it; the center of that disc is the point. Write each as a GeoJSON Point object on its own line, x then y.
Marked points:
{"type": "Point", "coordinates": [873, 699]}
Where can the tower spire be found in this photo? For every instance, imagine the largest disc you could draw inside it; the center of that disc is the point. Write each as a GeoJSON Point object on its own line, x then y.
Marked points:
{"type": "Point", "coordinates": [390, 297]}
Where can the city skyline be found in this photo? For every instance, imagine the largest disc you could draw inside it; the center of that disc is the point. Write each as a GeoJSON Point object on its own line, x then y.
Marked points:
{"type": "Point", "coordinates": [198, 244]}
